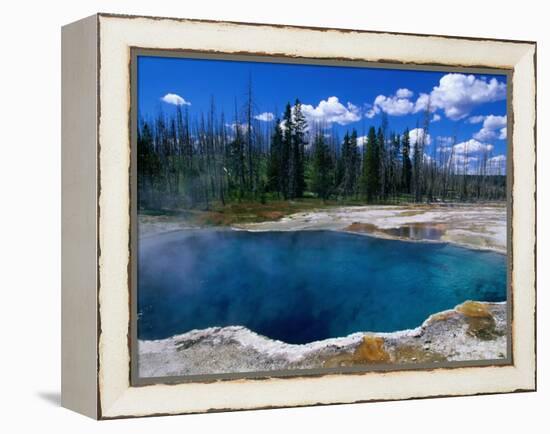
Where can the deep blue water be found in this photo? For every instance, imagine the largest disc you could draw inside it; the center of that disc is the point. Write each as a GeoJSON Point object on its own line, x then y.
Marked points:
{"type": "Point", "coordinates": [304, 286]}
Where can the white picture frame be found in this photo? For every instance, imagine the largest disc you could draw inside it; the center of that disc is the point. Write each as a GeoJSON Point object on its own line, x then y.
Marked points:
{"type": "Point", "coordinates": [96, 182]}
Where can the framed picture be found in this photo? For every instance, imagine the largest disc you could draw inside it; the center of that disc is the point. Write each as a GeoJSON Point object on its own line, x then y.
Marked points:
{"type": "Point", "coordinates": [261, 216]}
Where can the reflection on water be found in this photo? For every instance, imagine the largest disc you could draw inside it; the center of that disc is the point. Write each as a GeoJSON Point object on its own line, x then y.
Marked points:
{"type": "Point", "coordinates": [417, 232]}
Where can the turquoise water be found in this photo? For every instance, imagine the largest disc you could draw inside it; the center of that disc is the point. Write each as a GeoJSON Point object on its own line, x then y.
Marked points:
{"type": "Point", "coordinates": [304, 286]}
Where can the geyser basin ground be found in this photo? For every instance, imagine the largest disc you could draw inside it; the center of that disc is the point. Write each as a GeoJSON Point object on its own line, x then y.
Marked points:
{"type": "Point", "coordinates": [234, 301]}
{"type": "Point", "coordinates": [304, 286]}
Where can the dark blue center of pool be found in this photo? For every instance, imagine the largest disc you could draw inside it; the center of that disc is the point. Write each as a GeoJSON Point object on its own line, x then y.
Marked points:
{"type": "Point", "coordinates": [304, 286]}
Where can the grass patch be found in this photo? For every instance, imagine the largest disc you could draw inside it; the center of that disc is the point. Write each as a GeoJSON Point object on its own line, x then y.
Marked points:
{"type": "Point", "coordinates": [245, 211]}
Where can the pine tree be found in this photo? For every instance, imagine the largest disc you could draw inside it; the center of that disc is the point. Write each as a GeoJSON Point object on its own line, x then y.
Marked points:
{"type": "Point", "coordinates": [393, 166]}
{"type": "Point", "coordinates": [340, 172]}
{"type": "Point", "coordinates": [274, 178]}
{"type": "Point", "coordinates": [418, 157]}
{"type": "Point", "coordinates": [355, 162]}
{"type": "Point", "coordinates": [349, 162]}
{"type": "Point", "coordinates": [286, 170]}
{"type": "Point", "coordinates": [371, 178]}
{"type": "Point", "coordinates": [300, 127]}
{"type": "Point", "coordinates": [322, 165]}
{"type": "Point", "coordinates": [380, 157]}
{"type": "Point", "coordinates": [407, 166]}
{"type": "Point", "coordinates": [148, 166]}
{"type": "Point", "coordinates": [249, 138]}
{"type": "Point", "coordinates": [237, 159]}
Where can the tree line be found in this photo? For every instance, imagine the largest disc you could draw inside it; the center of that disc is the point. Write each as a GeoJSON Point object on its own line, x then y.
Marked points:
{"type": "Point", "coordinates": [195, 163]}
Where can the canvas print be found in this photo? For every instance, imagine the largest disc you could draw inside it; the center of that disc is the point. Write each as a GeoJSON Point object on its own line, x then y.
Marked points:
{"type": "Point", "coordinates": [303, 217]}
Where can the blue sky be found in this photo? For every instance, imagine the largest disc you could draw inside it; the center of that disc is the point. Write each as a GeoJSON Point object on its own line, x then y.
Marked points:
{"type": "Point", "coordinates": [471, 107]}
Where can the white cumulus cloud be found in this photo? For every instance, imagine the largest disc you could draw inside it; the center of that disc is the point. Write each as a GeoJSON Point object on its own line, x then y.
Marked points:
{"type": "Point", "coordinates": [393, 105]}
{"type": "Point", "coordinates": [457, 94]}
{"type": "Point", "coordinates": [497, 159]}
{"type": "Point", "coordinates": [175, 99]}
{"type": "Point", "coordinates": [464, 164]}
{"type": "Point", "coordinates": [371, 111]}
{"type": "Point", "coordinates": [362, 140]}
{"type": "Point", "coordinates": [265, 117]}
{"type": "Point", "coordinates": [492, 124]}
{"type": "Point", "coordinates": [472, 146]}
{"type": "Point", "coordinates": [404, 93]}
{"type": "Point", "coordinates": [475, 119]}
{"type": "Point", "coordinates": [243, 127]}
{"type": "Point", "coordinates": [423, 102]}
{"type": "Point", "coordinates": [331, 111]}
{"type": "Point", "coordinates": [496, 165]}
{"type": "Point", "coordinates": [417, 134]}
{"type": "Point", "coordinates": [445, 140]}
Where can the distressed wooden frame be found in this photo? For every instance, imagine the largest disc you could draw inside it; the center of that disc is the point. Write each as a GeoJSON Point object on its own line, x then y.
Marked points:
{"type": "Point", "coordinates": [96, 214]}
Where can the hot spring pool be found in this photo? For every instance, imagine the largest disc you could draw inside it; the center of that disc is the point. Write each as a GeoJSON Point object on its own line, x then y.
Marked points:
{"type": "Point", "coordinates": [304, 286]}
